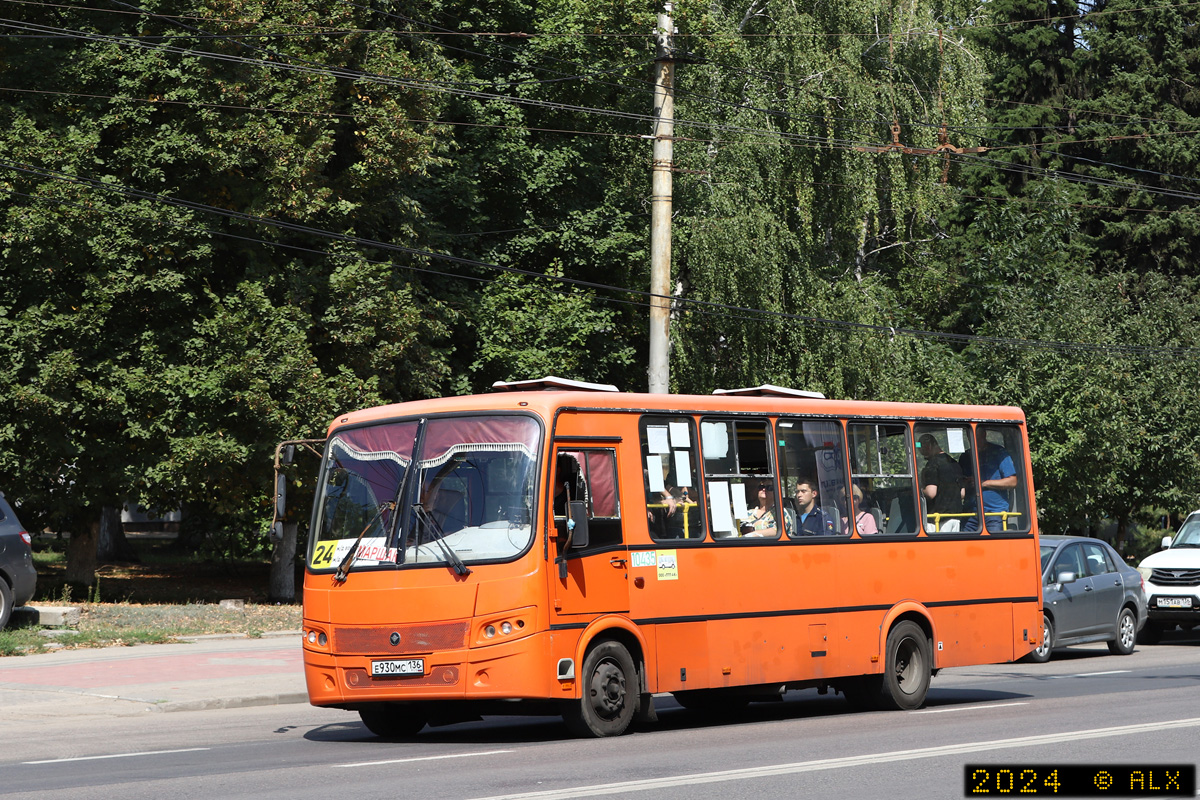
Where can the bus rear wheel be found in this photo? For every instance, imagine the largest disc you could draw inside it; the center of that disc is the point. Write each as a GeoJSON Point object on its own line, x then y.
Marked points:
{"type": "Point", "coordinates": [392, 720]}
{"type": "Point", "coordinates": [610, 693]}
{"type": "Point", "coordinates": [907, 669]}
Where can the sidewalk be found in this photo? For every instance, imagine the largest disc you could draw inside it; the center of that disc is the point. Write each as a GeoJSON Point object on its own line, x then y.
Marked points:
{"type": "Point", "coordinates": [202, 673]}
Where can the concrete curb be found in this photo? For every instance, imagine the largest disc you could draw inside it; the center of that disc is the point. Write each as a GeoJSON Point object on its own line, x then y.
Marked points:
{"type": "Point", "coordinates": [45, 616]}
{"type": "Point", "coordinates": [211, 703]}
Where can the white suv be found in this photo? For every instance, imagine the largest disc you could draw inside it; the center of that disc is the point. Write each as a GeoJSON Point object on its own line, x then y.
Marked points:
{"type": "Point", "coordinates": [1172, 578]}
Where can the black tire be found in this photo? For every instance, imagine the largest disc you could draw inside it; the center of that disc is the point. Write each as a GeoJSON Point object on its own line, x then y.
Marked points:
{"type": "Point", "coordinates": [1126, 632]}
{"type": "Point", "coordinates": [907, 668]}
{"type": "Point", "coordinates": [1041, 654]}
{"type": "Point", "coordinates": [712, 701]}
{"type": "Point", "coordinates": [1152, 633]}
{"type": "Point", "coordinates": [610, 693]}
{"type": "Point", "coordinates": [6, 603]}
{"type": "Point", "coordinates": [392, 720]}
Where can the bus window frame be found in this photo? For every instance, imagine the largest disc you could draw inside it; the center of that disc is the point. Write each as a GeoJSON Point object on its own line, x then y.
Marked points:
{"type": "Point", "coordinates": [875, 423]}
{"type": "Point", "coordinates": [558, 523]}
{"type": "Point", "coordinates": [1019, 431]}
{"type": "Point", "coordinates": [696, 500]}
{"type": "Point", "coordinates": [791, 419]}
{"type": "Point", "coordinates": [772, 476]}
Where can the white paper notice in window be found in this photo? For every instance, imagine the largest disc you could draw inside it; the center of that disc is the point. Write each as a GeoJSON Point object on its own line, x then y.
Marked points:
{"type": "Point", "coordinates": [654, 473]}
{"type": "Point", "coordinates": [740, 510]}
{"type": "Point", "coordinates": [683, 468]}
{"type": "Point", "coordinates": [718, 501]}
{"type": "Point", "coordinates": [681, 435]}
{"type": "Point", "coordinates": [656, 439]}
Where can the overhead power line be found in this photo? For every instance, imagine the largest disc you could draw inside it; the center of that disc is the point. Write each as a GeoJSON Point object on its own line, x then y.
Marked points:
{"type": "Point", "coordinates": [681, 303]}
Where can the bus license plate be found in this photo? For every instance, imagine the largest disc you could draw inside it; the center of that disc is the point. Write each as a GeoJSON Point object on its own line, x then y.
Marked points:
{"type": "Point", "coordinates": [1174, 602]}
{"type": "Point", "coordinates": [401, 666]}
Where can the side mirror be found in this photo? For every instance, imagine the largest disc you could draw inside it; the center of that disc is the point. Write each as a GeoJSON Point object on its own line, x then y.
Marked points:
{"type": "Point", "coordinates": [280, 495]}
{"type": "Point", "coordinates": [1166, 542]}
{"type": "Point", "coordinates": [1066, 576]}
{"type": "Point", "coordinates": [579, 536]}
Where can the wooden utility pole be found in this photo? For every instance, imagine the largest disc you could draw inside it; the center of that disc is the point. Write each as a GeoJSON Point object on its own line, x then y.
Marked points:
{"type": "Point", "coordinates": [660, 204]}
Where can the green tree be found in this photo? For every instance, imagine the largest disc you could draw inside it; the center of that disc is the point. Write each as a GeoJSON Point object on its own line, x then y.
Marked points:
{"type": "Point", "coordinates": [156, 349]}
{"type": "Point", "coordinates": [795, 200]}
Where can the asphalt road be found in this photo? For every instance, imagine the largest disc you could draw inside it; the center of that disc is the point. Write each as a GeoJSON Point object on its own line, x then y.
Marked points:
{"type": "Point", "coordinates": [1085, 707]}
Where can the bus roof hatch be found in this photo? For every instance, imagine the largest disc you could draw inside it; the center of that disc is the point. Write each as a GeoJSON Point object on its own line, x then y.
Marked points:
{"type": "Point", "coordinates": [770, 390]}
{"type": "Point", "coordinates": [551, 383]}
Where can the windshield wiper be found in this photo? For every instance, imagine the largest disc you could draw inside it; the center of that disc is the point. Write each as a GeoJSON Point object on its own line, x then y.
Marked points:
{"type": "Point", "coordinates": [425, 518]}
{"type": "Point", "coordinates": [344, 568]}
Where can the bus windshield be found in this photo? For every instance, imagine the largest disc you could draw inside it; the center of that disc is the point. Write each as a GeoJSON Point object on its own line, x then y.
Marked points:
{"type": "Point", "coordinates": [468, 499]}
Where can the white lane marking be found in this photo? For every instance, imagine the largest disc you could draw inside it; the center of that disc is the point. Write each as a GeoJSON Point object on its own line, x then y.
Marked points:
{"type": "Point", "coordinates": [116, 755]}
{"type": "Point", "coordinates": [841, 763]}
{"type": "Point", "coordinates": [1092, 674]}
{"type": "Point", "coordinates": [970, 708]}
{"type": "Point", "coordinates": [424, 758]}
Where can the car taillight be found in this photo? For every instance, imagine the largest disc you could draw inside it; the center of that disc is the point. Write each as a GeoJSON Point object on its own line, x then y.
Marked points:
{"type": "Point", "coordinates": [28, 539]}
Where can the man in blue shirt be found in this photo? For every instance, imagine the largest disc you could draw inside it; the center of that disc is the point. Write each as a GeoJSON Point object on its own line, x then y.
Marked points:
{"type": "Point", "coordinates": [997, 474]}
{"type": "Point", "coordinates": [813, 521]}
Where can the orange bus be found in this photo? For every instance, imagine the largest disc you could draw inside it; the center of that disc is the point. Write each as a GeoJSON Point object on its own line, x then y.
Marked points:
{"type": "Point", "coordinates": [562, 546]}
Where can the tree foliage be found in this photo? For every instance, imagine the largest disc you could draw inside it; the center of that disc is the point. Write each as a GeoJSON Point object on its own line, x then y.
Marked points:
{"type": "Point", "coordinates": [225, 222]}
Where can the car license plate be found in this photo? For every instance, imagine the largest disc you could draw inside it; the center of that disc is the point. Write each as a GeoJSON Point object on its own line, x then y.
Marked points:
{"type": "Point", "coordinates": [1174, 602]}
{"type": "Point", "coordinates": [400, 666]}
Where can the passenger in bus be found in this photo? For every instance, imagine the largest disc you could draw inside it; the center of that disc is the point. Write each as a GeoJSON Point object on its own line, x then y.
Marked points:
{"type": "Point", "coordinates": [997, 475]}
{"type": "Point", "coordinates": [662, 511]}
{"type": "Point", "coordinates": [566, 480]}
{"type": "Point", "coordinates": [941, 485]}
{"type": "Point", "coordinates": [810, 519]}
{"type": "Point", "coordinates": [864, 518]}
{"type": "Point", "coordinates": [761, 522]}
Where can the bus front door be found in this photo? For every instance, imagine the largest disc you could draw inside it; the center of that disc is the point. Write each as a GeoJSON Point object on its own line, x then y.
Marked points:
{"type": "Point", "coordinates": [592, 578]}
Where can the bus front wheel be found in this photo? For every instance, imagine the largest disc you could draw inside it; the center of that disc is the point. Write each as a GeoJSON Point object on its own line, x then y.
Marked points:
{"type": "Point", "coordinates": [392, 720]}
{"type": "Point", "coordinates": [907, 668]}
{"type": "Point", "coordinates": [610, 693]}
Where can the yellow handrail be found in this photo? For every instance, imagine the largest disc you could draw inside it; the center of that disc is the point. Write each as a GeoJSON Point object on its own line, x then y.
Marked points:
{"type": "Point", "coordinates": [686, 506]}
{"type": "Point", "coordinates": [1004, 515]}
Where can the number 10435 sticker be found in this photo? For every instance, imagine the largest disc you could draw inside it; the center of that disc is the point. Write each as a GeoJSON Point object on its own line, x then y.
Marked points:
{"type": "Point", "coordinates": [642, 558]}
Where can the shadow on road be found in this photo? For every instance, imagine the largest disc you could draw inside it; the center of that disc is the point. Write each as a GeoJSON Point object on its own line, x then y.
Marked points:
{"type": "Point", "coordinates": [806, 704]}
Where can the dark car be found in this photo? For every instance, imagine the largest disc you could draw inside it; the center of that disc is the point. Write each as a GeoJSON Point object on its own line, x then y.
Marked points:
{"type": "Point", "coordinates": [18, 578]}
{"type": "Point", "coordinates": [1089, 594]}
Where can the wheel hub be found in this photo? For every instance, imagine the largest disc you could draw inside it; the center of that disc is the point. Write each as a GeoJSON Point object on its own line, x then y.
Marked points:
{"type": "Point", "coordinates": [608, 689]}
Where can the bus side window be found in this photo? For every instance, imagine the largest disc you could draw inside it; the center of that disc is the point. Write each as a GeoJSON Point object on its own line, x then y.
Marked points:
{"type": "Point", "coordinates": [812, 465]}
{"type": "Point", "coordinates": [591, 476]}
{"type": "Point", "coordinates": [942, 488]}
{"type": "Point", "coordinates": [738, 479]}
{"type": "Point", "coordinates": [1000, 459]}
{"type": "Point", "coordinates": [881, 467]}
{"type": "Point", "coordinates": [669, 461]}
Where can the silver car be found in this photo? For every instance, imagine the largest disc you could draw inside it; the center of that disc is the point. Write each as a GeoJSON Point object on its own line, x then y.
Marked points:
{"type": "Point", "coordinates": [18, 577]}
{"type": "Point", "coordinates": [1089, 594]}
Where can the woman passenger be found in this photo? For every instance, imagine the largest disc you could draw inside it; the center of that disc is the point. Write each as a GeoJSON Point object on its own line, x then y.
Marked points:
{"type": "Point", "coordinates": [761, 521]}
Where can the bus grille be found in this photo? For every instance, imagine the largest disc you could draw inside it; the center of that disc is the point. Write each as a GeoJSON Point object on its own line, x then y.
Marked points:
{"type": "Point", "coordinates": [413, 639]}
{"type": "Point", "coordinates": [1175, 577]}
